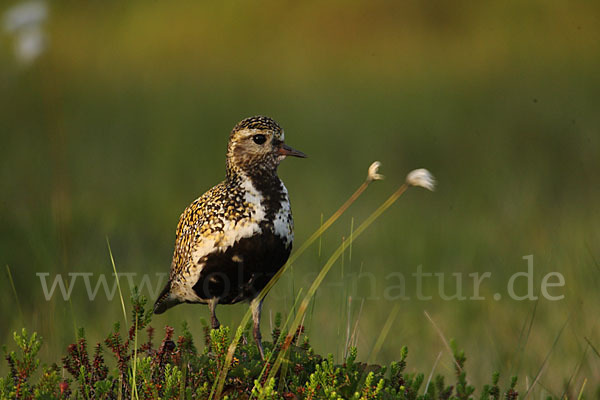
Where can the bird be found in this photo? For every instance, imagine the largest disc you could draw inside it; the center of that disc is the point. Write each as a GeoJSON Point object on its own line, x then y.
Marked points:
{"type": "Point", "coordinates": [234, 238]}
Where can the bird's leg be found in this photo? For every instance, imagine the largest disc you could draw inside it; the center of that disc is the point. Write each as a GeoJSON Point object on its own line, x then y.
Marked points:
{"type": "Point", "coordinates": [212, 305]}
{"type": "Point", "coordinates": [256, 306]}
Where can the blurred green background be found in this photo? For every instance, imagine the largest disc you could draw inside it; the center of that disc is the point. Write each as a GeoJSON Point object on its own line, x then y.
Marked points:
{"type": "Point", "coordinates": [124, 120]}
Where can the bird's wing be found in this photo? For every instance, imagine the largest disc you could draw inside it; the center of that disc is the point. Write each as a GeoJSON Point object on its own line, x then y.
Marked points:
{"type": "Point", "coordinates": [196, 222]}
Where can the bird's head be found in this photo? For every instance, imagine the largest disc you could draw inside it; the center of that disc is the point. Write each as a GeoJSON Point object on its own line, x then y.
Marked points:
{"type": "Point", "coordinates": [256, 145]}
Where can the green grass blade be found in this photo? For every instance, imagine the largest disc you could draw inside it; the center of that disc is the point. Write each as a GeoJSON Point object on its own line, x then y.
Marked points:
{"type": "Point", "coordinates": [580, 395]}
{"type": "Point", "coordinates": [522, 343]}
{"type": "Point", "coordinates": [592, 347]}
{"type": "Point", "coordinates": [441, 335]}
{"type": "Point", "coordinates": [112, 260]}
{"type": "Point", "coordinates": [545, 362]}
{"type": "Point", "coordinates": [437, 360]}
{"type": "Point", "coordinates": [384, 332]}
{"type": "Point", "coordinates": [135, 347]}
{"type": "Point", "coordinates": [14, 289]}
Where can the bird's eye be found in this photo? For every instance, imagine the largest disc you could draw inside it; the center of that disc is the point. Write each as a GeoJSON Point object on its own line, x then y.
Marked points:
{"type": "Point", "coordinates": [259, 139]}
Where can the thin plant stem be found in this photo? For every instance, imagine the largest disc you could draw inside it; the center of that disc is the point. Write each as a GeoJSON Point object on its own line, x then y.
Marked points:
{"type": "Point", "coordinates": [592, 347]}
{"type": "Point", "coordinates": [580, 396]}
{"type": "Point", "coordinates": [351, 234]}
{"type": "Point", "coordinates": [299, 316]}
{"type": "Point", "coordinates": [354, 337]}
{"type": "Point", "coordinates": [320, 239]}
{"type": "Point", "coordinates": [76, 335]}
{"type": "Point", "coordinates": [279, 339]}
{"type": "Point", "coordinates": [441, 335]}
{"type": "Point", "coordinates": [135, 392]}
{"type": "Point", "coordinates": [574, 374]}
{"type": "Point", "coordinates": [316, 235]}
{"type": "Point", "coordinates": [330, 220]}
{"type": "Point", "coordinates": [545, 362]}
{"type": "Point", "coordinates": [384, 332]}
{"type": "Point", "coordinates": [522, 342]}
{"type": "Point", "coordinates": [14, 289]}
{"type": "Point", "coordinates": [432, 370]}
{"type": "Point", "coordinates": [112, 260]}
{"type": "Point", "coordinates": [348, 323]}
{"type": "Point", "coordinates": [317, 282]}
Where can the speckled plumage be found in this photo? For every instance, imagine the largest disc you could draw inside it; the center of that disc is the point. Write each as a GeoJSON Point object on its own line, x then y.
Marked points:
{"type": "Point", "coordinates": [236, 236]}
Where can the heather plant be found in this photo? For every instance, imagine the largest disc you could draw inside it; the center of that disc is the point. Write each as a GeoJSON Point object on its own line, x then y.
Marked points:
{"type": "Point", "coordinates": [22, 367]}
{"type": "Point", "coordinates": [125, 367]}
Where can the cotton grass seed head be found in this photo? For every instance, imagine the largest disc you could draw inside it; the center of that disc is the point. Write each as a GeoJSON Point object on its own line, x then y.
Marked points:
{"type": "Point", "coordinates": [24, 22]}
{"type": "Point", "coordinates": [421, 177]}
{"type": "Point", "coordinates": [372, 174]}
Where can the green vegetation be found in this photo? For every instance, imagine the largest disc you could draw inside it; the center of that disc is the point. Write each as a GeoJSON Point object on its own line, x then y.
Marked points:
{"type": "Point", "coordinates": [175, 369]}
{"type": "Point", "coordinates": [124, 120]}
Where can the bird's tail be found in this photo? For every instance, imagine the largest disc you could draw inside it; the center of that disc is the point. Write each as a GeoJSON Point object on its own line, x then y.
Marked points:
{"type": "Point", "coordinates": [165, 300]}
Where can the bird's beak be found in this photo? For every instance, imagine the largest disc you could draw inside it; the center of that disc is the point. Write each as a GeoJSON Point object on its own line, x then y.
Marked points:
{"type": "Point", "coordinates": [286, 150]}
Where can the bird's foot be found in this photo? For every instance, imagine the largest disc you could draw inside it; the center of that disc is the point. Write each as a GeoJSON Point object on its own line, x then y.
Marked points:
{"type": "Point", "coordinates": [214, 322]}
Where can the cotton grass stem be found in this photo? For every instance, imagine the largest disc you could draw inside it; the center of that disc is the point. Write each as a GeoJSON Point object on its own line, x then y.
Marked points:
{"type": "Point", "coordinates": [220, 382]}
{"type": "Point", "coordinates": [283, 327]}
{"type": "Point", "coordinates": [372, 175]}
{"type": "Point", "coordinates": [334, 257]}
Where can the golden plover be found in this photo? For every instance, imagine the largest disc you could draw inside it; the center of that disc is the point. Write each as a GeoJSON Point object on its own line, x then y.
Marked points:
{"type": "Point", "coordinates": [233, 239]}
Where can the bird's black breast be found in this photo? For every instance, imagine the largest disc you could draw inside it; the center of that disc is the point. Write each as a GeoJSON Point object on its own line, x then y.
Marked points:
{"type": "Point", "coordinates": [241, 271]}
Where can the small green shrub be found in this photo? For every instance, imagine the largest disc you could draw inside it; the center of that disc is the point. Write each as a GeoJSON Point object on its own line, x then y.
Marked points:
{"type": "Point", "coordinates": [176, 369]}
